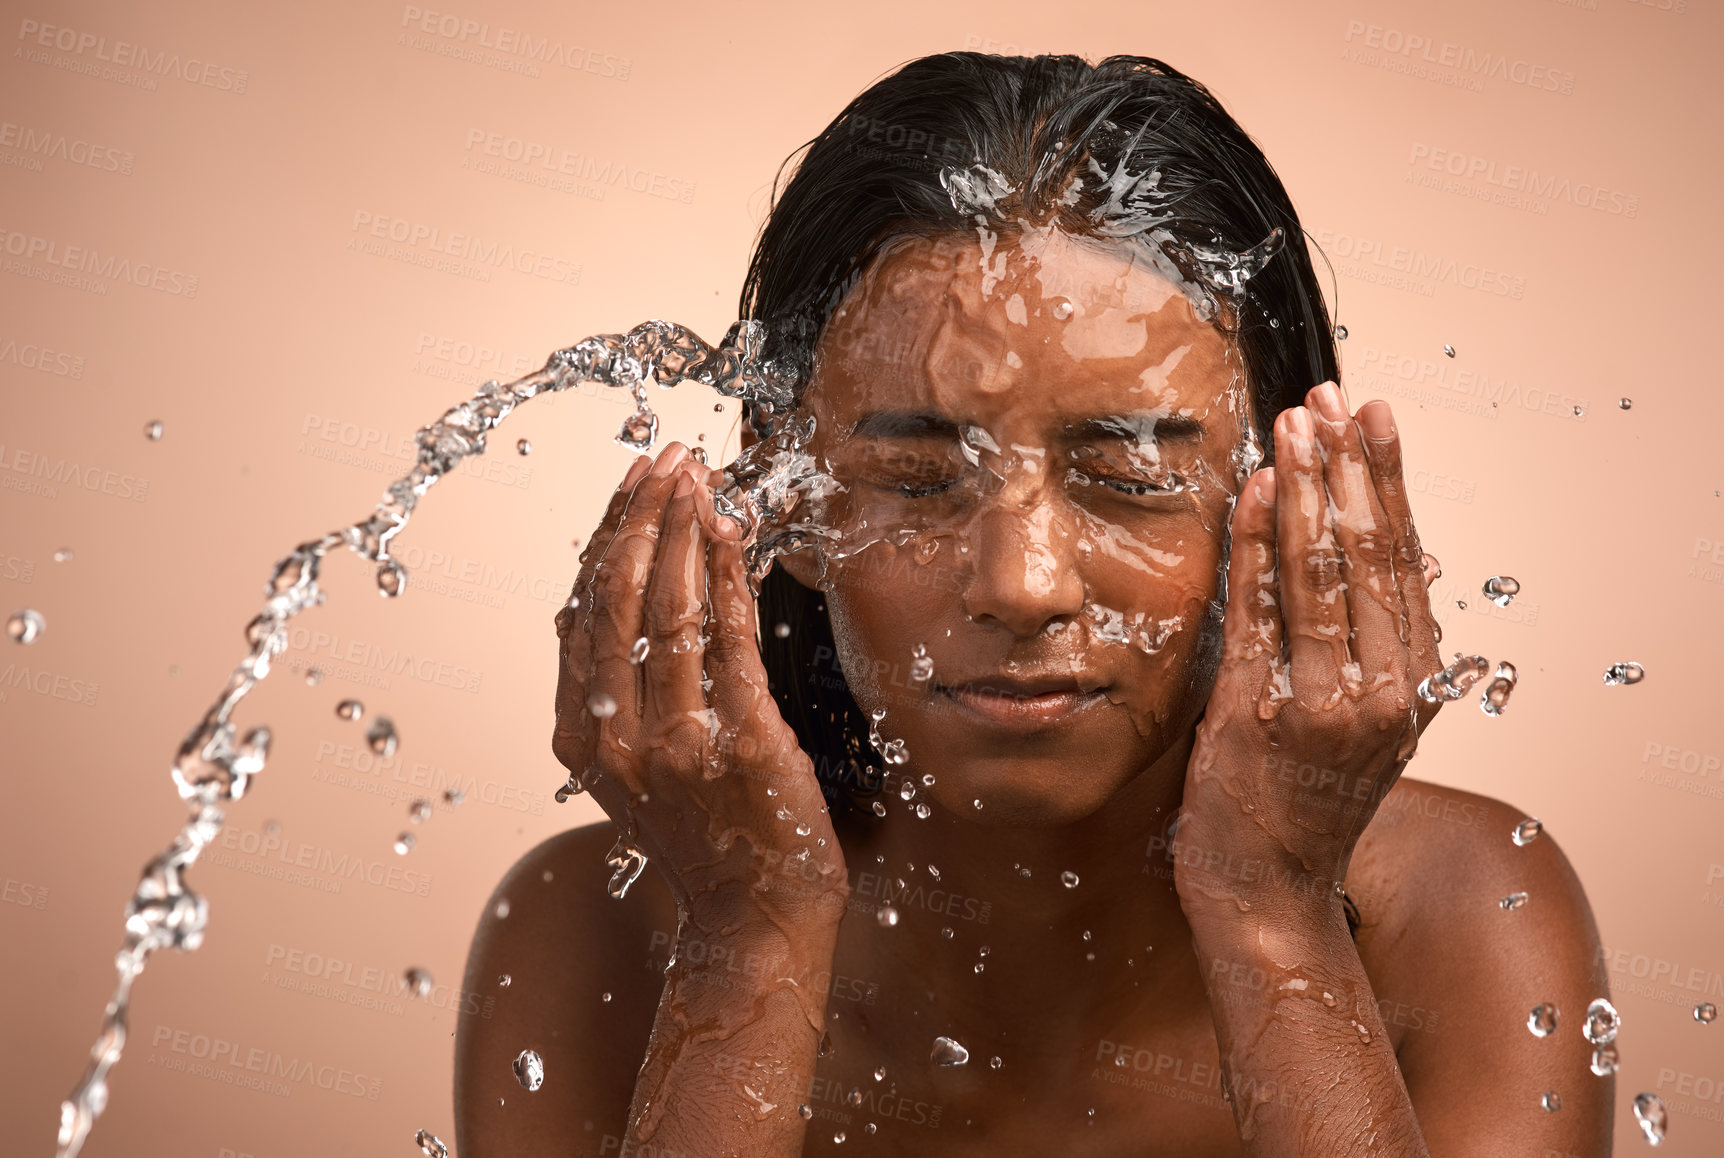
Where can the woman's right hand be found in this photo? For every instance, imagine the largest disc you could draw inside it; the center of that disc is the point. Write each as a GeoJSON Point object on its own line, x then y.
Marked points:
{"type": "Point", "coordinates": [684, 748]}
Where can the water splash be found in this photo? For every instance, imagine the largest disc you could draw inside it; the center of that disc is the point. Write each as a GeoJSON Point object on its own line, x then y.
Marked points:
{"type": "Point", "coordinates": [626, 862]}
{"type": "Point", "coordinates": [1497, 692]}
{"type": "Point", "coordinates": [947, 1052]}
{"type": "Point", "coordinates": [1454, 681]}
{"type": "Point", "coordinates": [214, 765]}
{"type": "Point", "coordinates": [26, 626]}
{"type": "Point", "coordinates": [1649, 1112]}
{"type": "Point", "coordinates": [1627, 672]}
{"type": "Point", "coordinates": [529, 1070]}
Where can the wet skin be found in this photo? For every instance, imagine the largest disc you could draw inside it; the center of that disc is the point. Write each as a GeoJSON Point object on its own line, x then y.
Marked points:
{"type": "Point", "coordinates": [1082, 691]}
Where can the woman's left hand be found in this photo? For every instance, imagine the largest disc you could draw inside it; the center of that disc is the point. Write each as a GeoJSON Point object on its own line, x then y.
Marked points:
{"type": "Point", "coordinates": [1327, 635]}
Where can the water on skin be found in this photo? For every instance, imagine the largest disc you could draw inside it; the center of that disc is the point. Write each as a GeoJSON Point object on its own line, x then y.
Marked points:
{"type": "Point", "coordinates": [1602, 1022]}
{"type": "Point", "coordinates": [947, 1052]}
{"type": "Point", "coordinates": [1541, 1022]}
{"type": "Point", "coordinates": [214, 764]}
{"type": "Point", "coordinates": [1527, 831]}
{"type": "Point", "coordinates": [529, 1069]}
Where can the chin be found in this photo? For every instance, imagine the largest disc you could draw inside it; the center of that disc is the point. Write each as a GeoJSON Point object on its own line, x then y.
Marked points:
{"type": "Point", "coordinates": [1024, 793]}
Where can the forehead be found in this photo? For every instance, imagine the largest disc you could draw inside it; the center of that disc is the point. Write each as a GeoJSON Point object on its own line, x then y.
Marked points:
{"type": "Point", "coordinates": [1033, 327]}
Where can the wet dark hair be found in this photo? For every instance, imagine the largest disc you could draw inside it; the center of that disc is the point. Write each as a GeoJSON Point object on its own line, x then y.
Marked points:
{"type": "Point", "coordinates": [873, 177]}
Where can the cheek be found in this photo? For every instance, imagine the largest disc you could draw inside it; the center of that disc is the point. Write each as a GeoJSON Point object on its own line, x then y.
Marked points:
{"type": "Point", "coordinates": [882, 602]}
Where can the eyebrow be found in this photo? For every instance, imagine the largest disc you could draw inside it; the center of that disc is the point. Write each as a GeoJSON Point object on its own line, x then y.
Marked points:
{"type": "Point", "coordinates": [1139, 428]}
{"type": "Point", "coordinates": [904, 424]}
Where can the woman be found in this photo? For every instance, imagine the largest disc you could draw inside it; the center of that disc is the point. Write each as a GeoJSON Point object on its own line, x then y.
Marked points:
{"type": "Point", "coordinates": [920, 884]}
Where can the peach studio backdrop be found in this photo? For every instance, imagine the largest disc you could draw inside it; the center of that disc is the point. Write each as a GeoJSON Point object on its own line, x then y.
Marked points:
{"type": "Point", "coordinates": [1532, 182]}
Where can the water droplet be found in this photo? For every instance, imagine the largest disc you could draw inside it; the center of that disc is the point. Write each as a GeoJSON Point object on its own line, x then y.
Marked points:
{"type": "Point", "coordinates": [1063, 310]}
{"type": "Point", "coordinates": [523, 447]}
{"type": "Point", "coordinates": [947, 933]}
{"type": "Point", "coordinates": [906, 790]}
{"type": "Point", "coordinates": [1551, 1101]}
{"type": "Point", "coordinates": [454, 797]}
{"type": "Point", "coordinates": [153, 430]}
{"type": "Point", "coordinates": [419, 982]}
{"type": "Point", "coordinates": [1649, 1112]}
{"type": "Point", "coordinates": [1069, 879]}
{"type": "Point", "coordinates": [529, 1070]}
{"type": "Point", "coordinates": [947, 1052]}
{"type": "Point", "coordinates": [350, 709]}
{"type": "Point", "coordinates": [803, 829]}
{"type": "Point", "coordinates": [1705, 1013]}
{"type": "Point", "coordinates": [626, 862]}
{"type": "Point", "coordinates": [1627, 672]}
{"type": "Point", "coordinates": [313, 676]}
{"type": "Point", "coordinates": [381, 736]}
{"type": "Point", "coordinates": [1542, 1020]}
{"type": "Point", "coordinates": [879, 1073]}
{"type": "Point", "coordinates": [503, 981]}
{"type": "Point", "coordinates": [838, 1137]}
{"type": "Point", "coordinates": [879, 809]}
{"type": "Point", "coordinates": [1626, 403]}
{"type": "Point", "coordinates": [1497, 692]}
{"type": "Point", "coordinates": [63, 555]}
{"type": "Point", "coordinates": [391, 578]}
{"type": "Point", "coordinates": [886, 917]}
{"type": "Point", "coordinates": [870, 1127]}
{"type": "Point", "coordinates": [978, 803]}
{"type": "Point", "coordinates": [1579, 412]}
{"type": "Point", "coordinates": [995, 1063]}
{"type": "Point", "coordinates": [638, 653]}
{"type": "Point", "coordinates": [1461, 603]}
{"type": "Point", "coordinates": [980, 966]}
{"type": "Point", "coordinates": [921, 665]}
{"type": "Point", "coordinates": [854, 1097]}
{"type": "Point", "coordinates": [26, 626]}
{"type": "Point", "coordinates": [1602, 1022]}
{"type": "Point", "coordinates": [419, 811]}
{"type": "Point", "coordinates": [804, 1112]}
{"type": "Point", "coordinates": [1448, 349]}
{"type": "Point", "coordinates": [404, 843]}
{"type": "Point", "coordinates": [502, 909]}
{"type": "Point", "coordinates": [1513, 901]}
{"type": "Point", "coordinates": [1527, 831]}
{"type": "Point", "coordinates": [601, 706]}
{"type": "Point", "coordinates": [1605, 1060]}
{"type": "Point", "coordinates": [431, 1145]}
{"type": "Point", "coordinates": [1340, 333]}
{"type": "Point", "coordinates": [923, 812]}
{"type": "Point", "coordinates": [1454, 681]}
{"type": "Point", "coordinates": [1501, 589]}
{"type": "Point", "coordinates": [605, 997]}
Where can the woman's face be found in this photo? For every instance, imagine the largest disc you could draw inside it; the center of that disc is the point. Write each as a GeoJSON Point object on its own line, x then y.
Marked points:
{"type": "Point", "coordinates": [1037, 442]}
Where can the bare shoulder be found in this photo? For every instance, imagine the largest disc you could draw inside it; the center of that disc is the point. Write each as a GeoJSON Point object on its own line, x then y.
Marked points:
{"type": "Point", "coordinates": [584, 975]}
{"type": "Point", "coordinates": [1465, 930]}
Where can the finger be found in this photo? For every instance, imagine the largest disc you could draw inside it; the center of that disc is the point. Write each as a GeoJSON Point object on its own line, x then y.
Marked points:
{"type": "Point", "coordinates": [571, 738]}
{"type": "Point", "coordinates": [1383, 448]}
{"type": "Point", "coordinates": [619, 583]}
{"type": "Point", "coordinates": [675, 607]}
{"type": "Point", "coordinates": [1253, 664]}
{"type": "Point", "coordinates": [1367, 546]}
{"type": "Point", "coordinates": [1313, 591]}
{"type": "Point", "coordinates": [733, 661]}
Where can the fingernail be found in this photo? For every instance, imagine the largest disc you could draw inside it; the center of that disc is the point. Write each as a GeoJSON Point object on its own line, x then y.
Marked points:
{"type": "Point", "coordinates": [1377, 419]}
{"type": "Point", "coordinates": [1266, 486]}
{"type": "Point", "coordinates": [637, 468]}
{"type": "Point", "coordinates": [1299, 421]}
{"type": "Point", "coordinates": [1329, 404]}
{"type": "Point", "coordinates": [668, 460]}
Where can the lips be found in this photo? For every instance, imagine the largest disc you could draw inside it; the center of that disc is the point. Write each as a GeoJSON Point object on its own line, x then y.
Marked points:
{"type": "Point", "coordinates": [1022, 704]}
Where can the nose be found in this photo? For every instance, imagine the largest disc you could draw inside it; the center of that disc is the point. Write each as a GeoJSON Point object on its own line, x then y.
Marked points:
{"type": "Point", "coordinates": [1024, 572]}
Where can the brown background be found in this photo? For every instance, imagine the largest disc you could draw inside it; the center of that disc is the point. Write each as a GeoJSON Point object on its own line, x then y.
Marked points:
{"type": "Point", "coordinates": [296, 331]}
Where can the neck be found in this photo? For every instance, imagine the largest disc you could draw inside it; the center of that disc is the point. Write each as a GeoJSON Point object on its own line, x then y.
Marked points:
{"type": "Point", "coordinates": [1071, 953]}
